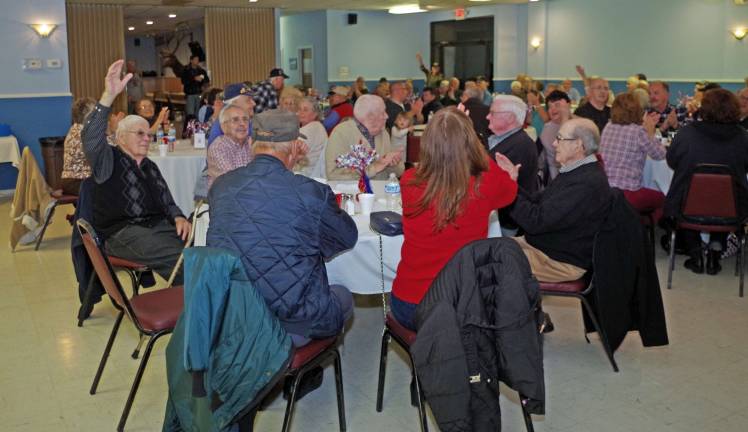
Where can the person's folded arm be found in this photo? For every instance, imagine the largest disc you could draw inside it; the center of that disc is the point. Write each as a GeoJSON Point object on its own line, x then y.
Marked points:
{"type": "Point", "coordinates": [652, 146]}
{"type": "Point", "coordinates": [338, 231]}
{"type": "Point", "coordinates": [98, 152]}
{"type": "Point", "coordinates": [551, 212]}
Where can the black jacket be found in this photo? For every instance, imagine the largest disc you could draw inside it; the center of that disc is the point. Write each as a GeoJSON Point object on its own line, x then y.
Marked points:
{"type": "Point", "coordinates": [191, 86]}
{"type": "Point", "coordinates": [478, 325]}
{"type": "Point", "coordinates": [393, 109]}
{"type": "Point", "coordinates": [627, 291]}
{"type": "Point", "coordinates": [562, 220]}
{"type": "Point", "coordinates": [520, 149]}
{"type": "Point", "coordinates": [706, 143]}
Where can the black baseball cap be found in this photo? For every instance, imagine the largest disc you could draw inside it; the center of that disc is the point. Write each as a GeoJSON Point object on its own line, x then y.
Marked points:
{"type": "Point", "coordinates": [278, 72]}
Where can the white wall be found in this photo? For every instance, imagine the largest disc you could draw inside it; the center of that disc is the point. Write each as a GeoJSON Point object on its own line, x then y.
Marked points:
{"type": "Point", "coordinates": [668, 39]}
{"type": "Point", "coordinates": [145, 55]}
{"type": "Point", "coordinates": [20, 42]}
{"type": "Point", "coordinates": [305, 31]}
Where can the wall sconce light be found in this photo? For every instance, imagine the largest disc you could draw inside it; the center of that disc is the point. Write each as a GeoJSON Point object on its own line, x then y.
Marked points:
{"type": "Point", "coordinates": [535, 42]}
{"type": "Point", "coordinates": [43, 30]}
{"type": "Point", "coordinates": [739, 33]}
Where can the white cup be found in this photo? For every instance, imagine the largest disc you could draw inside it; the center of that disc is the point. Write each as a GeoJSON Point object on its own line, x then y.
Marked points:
{"type": "Point", "coordinates": [367, 202]}
{"type": "Point", "coordinates": [163, 150]}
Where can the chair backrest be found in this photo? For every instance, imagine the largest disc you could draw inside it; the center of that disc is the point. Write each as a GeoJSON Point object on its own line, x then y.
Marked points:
{"type": "Point", "coordinates": [711, 195]}
{"type": "Point", "coordinates": [103, 268]}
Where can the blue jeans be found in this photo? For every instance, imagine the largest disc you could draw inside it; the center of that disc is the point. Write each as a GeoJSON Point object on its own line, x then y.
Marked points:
{"type": "Point", "coordinates": [404, 312]}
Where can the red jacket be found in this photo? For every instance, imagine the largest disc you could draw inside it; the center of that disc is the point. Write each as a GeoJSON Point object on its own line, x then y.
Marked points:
{"type": "Point", "coordinates": [425, 252]}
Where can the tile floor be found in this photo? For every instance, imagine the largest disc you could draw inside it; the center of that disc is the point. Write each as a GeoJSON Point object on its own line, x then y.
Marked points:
{"type": "Point", "coordinates": [698, 383]}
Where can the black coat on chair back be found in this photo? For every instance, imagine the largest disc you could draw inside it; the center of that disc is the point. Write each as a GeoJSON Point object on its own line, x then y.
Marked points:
{"type": "Point", "coordinates": [478, 325]}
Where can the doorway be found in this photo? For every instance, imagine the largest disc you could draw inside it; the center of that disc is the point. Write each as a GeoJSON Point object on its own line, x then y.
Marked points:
{"type": "Point", "coordinates": [307, 67]}
{"type": "Point", "coordinates": [464, 48]}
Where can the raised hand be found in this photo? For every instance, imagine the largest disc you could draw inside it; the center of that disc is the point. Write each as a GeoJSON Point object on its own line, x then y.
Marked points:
{"type": "Point", "coordinates": [114, 84]}
{"type": "Point", "coordinates": [505, 164]}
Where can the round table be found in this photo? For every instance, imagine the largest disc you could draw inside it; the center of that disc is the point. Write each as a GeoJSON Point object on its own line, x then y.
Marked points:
{"type": "Point", "coordinates": [357, 269]}
{"type": "Point", "coordinates": [181, 169]}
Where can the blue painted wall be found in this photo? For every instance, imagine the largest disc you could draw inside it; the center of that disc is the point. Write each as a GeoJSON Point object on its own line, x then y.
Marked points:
{"type": "Point", "coordinates": [33, 117]}
{"type": "Point", "coordinates": [305, 31]}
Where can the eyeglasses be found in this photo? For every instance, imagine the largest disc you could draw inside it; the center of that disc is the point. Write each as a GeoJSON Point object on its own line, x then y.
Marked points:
{"type": "Point", "coordinates": [140, 133]}
{"type": "Point", "coordinates": [560, 138]}
{"type": "Point", "coordinates": [238, 120]}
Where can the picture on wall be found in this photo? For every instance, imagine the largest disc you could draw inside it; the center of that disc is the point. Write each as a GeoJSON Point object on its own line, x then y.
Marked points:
{"type": "Point", "coordinates": [293, 63]}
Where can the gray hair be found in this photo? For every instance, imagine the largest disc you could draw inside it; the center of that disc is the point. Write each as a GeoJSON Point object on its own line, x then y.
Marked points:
{"type": "Point", "coordinates": [514, 105]}
{"type": "Point", "coordinates": [281, 147]}
{"type": "Point", "coordinates": [367, 105]}
{"type": "Point", "coordinates": [224, 114]}
{"type": "Point", "coordinates": [587, 131]}
{"type": "Point", "coordinates": [472, 92]}
{"type": "Point", "coordinates": [313, 103]}
{"type": "Point", "coordinates": [126, 124]}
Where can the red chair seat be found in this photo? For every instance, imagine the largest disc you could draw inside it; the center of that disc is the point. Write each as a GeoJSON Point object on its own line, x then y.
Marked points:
{"type": "Point", "coordinates": [123, 263]}
{"type": "Point", "coordinates": [159, 310]}
{"type": "Point", "coordinates": [309, 351]}
{"type": "Point", "coordinates": [708, 228]}
{"type": "Point", "coordinates": [576, 286]}
{"type": "Point", "coordinates": [398, 329]}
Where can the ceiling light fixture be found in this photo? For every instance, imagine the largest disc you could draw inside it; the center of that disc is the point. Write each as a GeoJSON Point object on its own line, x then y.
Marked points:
{"type": "Point", "coordinates": [149, 22]}
{"type": "Point", "coordinates": [172, 15]}
{"type": "Point", "coordinates": [405, 9]}
{"type": "Point", "coordinates": [43, 30]}
{"type": "Point", "coordinates": [131, 28]}
{"type": "Point", "coordinates": [253, 1]}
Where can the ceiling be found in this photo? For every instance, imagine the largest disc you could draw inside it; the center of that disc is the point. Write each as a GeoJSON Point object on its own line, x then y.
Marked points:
{"type": "Point", "coordinates": [306, 5]}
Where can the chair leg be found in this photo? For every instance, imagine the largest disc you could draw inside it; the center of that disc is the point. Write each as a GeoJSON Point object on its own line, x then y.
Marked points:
{"type": "Point", "coordinates": [339, 390]}
{"type": "Point", "coordinates": [133, 280]}
{"type": "Point", "coordinates": [671, 264]}
{"type": "Point", "coordinates": [291, 402]}
{"type": "Point", "coordinates": [421, 401]}
{"type": "Point", "coordinates": [136, 353]}
{"type": "Point", "coordinates": [104, 357]}
{"type": "Point", "coordinates": [44, 228]}
{"type": "Point", "coordinates": [527, 417]}
{"type": "Point", "coordinates": [600, 332]}
{"type": "Point", "coordinates": [382, 367]}
{"type": "Point", "coordinates": [742, 264]}
{"type": "Point", "coordinates": [136, 382]}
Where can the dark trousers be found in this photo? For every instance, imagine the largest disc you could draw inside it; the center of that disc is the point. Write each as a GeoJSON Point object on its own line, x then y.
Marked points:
{"type": "Point", "coordinates": [158, 247]}
{"type": "Point", "coordinates": [692, 241]}
{"type": "Point", "coordinates": [344, 298]}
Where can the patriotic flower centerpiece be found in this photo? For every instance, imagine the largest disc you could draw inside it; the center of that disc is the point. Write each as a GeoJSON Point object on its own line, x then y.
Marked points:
{"type": "Point", "coordinates": [360, 157]}
{"type": "Point", "coordinates": [194, 126]}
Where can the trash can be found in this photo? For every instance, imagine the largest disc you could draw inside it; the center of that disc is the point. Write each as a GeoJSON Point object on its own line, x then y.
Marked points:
{"type": "Point", "coordinates": [53, 153]}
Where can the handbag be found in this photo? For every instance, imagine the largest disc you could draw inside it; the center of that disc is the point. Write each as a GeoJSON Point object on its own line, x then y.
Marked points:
{"type": "Point", "coordinates": [386, 223]}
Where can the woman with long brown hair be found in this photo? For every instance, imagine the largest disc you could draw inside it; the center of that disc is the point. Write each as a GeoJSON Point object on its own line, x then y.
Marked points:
{"type": "Point", "coordinates": [446, 204]}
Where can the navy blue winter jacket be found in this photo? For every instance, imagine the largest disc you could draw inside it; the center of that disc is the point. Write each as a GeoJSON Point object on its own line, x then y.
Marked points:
{"type": "Point", "coordinates": [283, 226]}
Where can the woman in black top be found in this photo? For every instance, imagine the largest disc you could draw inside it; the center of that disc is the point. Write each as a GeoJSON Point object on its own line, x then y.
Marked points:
{"type": "Point", "coordinates": [716, 139]}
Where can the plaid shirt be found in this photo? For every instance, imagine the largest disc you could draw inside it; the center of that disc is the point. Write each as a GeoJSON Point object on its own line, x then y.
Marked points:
{"type": "Point", "coordinates": [681, 113]}
{"type": "Point", "coordinates": [225, 155]}
{"type": "Point", "coordinates": [265, 96]}
{"type": "Point", "coordinates": [624, 149]}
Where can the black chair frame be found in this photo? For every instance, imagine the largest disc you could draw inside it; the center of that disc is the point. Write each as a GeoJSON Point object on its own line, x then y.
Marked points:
{"type": "Point", "coordinates": [330, 352]}
{"type": "Point", "coordinates": [48, 220]}
{"type": "Point", "coordinates": [739, 226]}
{"type": "Point", "coordinates": [388, 335]}
{"type": "Point", "coordinates": [582, 296]}
{"type": "Point", "coordinates": [85, 228]}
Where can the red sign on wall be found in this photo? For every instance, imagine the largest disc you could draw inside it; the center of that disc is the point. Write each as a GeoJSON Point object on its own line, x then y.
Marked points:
{"type": "Point", "coordinates": [460, 14]}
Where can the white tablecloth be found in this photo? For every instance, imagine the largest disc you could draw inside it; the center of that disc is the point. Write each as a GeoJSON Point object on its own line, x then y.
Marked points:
{"type": "Point", "coordinates": [180, 169]}
{"type": "Point", "coordinates": [9, 151]}
{"type": "Point", "coordinates": [657, 175]}
{"type": "Point", "coordinates": [359, 268]}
